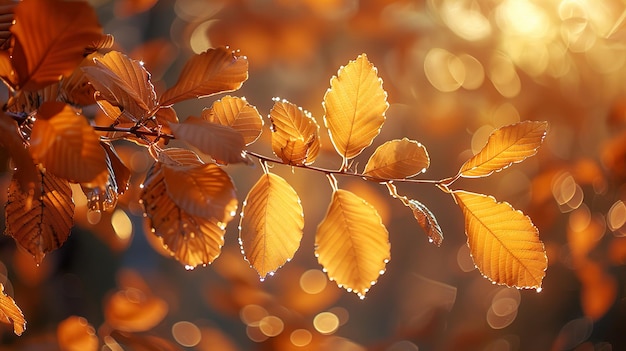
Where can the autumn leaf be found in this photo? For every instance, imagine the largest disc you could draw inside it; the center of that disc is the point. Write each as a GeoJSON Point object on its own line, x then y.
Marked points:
{"type": "Point", "coordinates": [427, 221]}
{"type": "Point", "coordinates": [102, 194]}
{"type": "Point", "coordinates": [271, 224]}
{"type": "Point", "coordinates": [11, 313]}
{"type": "Point", "coordinates": [124, 83]}
{"type": "Point", "coordinates": [213, 71]}
{"type": "Point", "coordinates": [351, 243]}
{"type": "Point", "coordinates": [355, 107]}
{"type": "Point", "coordinates": [51, 36]}
{"type": "Point", "coordinates": [7, 17]}
{"type": "Point", "coordinates": [505, 146]}
{"type": "Point", "coordinates": [76, 334]}
{"type": "Point", "coordinates": [504, 243]}
{"type": "Point", "coordinates": [66, 144]}
{"type": "Point", "coordinates": [205, 190]}
{"type": "Point", "coordinates": [42, 224]}
{"type": "Point", "coordinates": [398, 159]}
{"type": "Point", "coordinates": [26, 172]}
{"type": "Point", "coordinates": [223, 143]}
{"type": "Point", "coordinates": [237, 113]}
{"type": "Point", "coordinates": [134, 310]}
{"type": "Point", "coordinates": [295, 134]}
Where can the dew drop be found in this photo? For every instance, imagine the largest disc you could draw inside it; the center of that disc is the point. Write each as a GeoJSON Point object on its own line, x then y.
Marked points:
{"type": "Point", "coordinates": [373, 282]}
{"type": "Point", "coordinates": [381, 272]}
{"type": "Point", "coordinates": [271, 274]}
{"type": "Point", "coordinates": [324, 270]}
{"type": "Point", "coordinates": [386, 260]}
{"type": "Point", "coordinates": [349, 289]}
{"type": "Point", "coordinates": [430, 240]}
{"type": "Point", "coordinates": [189, 268]}
{"type": "Point", "coordinates": [141, 186]}
{"type": "Point", "coordinates": [539, 290]}
{"type": "Point", "coordinates": [361, 296]}
{"type": "Point", "coordinates": [262, 279]}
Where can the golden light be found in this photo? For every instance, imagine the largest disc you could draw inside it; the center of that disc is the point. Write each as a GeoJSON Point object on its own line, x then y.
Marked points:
{"type": "Point", "coordinates": [504, 308]}
{"type": "Point", "coordinates": [464, 259]}
{"type": "Point", "coordinates": [252, 314]}
{"type": "Point", "coordinates": [300, 337]}
{"type": "Point", "coordinates": [122, 225]}
{"type": "Point", "coordinates": [444, 70]}
{"type": "Point", "coordinates": [465, 19]}
{"type": "Point", "coordinates": [313, 281]}
{"type": "Point", "coordinates": [326, 323]}
{"type": "Point", "coordinates": [271, 326]}
{"type": "Point", "coordinates": [186, 333]}
{"type": "Point", "coordinates": [616, 217]}
{"type": "Point", "coordinates": [94, 217]}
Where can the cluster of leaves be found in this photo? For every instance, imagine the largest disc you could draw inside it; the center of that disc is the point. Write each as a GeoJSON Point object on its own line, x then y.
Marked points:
{"type": "Point", "coordinates": [56, 65]}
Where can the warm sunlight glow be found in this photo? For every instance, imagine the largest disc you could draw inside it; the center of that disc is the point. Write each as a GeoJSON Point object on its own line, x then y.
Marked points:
{"type": "Point", "coordinates": [271, 326]}
{"type": "Point", "coordinates": [326, 323]}
{"type": "Point", "coordinates": [300, 337]}
{"type": "Point", "coordinates": [616, 216]}
{"type": "Point", "coordinates": [121, 224]}
{"type": "Point", "coordinates": [186, 333]}
{"type": "Point", "coordinates": [252, 314]}
{"type": "Point", "coordinates": [313, 281]}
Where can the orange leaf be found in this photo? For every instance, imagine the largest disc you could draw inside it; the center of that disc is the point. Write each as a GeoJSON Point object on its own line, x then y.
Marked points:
{"type": "Point", "coordinates": [295, 134]}
{"type": "Point", "coordinates": [355, 107]}
{"type": "Point", "coordinates": [205, 190]}
{"type": "Point", "coordinates": [351, 243]}
{"type": "Point", "coordinates": [505, 146]}
{"type": "Point", "coordinates": [42, 224]}
{"type": "Point", "coordinates": [237, 113]}
{"type": "Point", "coordinates": [11, 313]}
{"type": "Point", "coordinates": [66, 144]}
{"type": "Point", "coordinates": [271, 229]}
{"type": "Point", "coordinates": [124, 83]}
{"type": "Point", "coordinates": [503, 242]}
{"type": "Point", "coordinates": [223, 143]}
{"type": "Point", "coordinates": [427, 221]}
{"type": "Point", "coordinates": [398, 159]}
{"type": "Point", "coordinates": [76, 334]}
{"type": "Point", "coordinates": [102, 194]}
{"type": "Point", "coordinates": [213, 71]}
{"type": "Point", "coordinates": [133, 310]}
{"type": "Point", "coordinates": [26, 172]}
{"type": "Point", "coordinates": [179, 157]}
{"type": "Point", "coordinates": [7, 16]}
{"type": "Point", "coordinates": [51, 37]}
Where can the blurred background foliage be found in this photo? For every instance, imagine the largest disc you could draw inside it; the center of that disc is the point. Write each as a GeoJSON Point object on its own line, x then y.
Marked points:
{"type": "Point", "coordinates": [455, 70]}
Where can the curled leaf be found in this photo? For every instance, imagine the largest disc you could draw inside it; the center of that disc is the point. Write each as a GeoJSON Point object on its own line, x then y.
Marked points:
{"type": "Point", "coordinates": [271, 224]}
{"type": "Point", "coordinates": [237, 113]}
{"type": "Point", "coordinates": [504, 243]}
{"type": "Point", "coordinates": [505, 146]}
{"type": "Point", "coordinates": [398, 159]}
{"type": "Point", "coordinates": [427, 221]}
{"type": "Point", "coordinates": [355, 107]}
{"type": "Point", "coordinates": [295, 133]}
{"type": "Point", "coordinates": [11, 313]}
{"type": "Point", "coordinates": [351, 243]}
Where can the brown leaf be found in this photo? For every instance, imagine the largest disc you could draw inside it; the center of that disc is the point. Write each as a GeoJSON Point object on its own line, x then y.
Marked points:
{"type": "Point", "coordinates": [237, 113]}
{"type": "Point", "coordinates": [76, 334]}
{"type": "Point", "coordinates": [133, 310]}
{"type": "Point", "coordinates": [26, 172]}
{"type": "Point", "coordinates": [105, 42]}
{"type": "Point", "coordinates": [124, 83]}
{"type": "Point", "coordinates": [351, 243]}
{"type": "Point", "coordinates": [398, 159]}
{"type": "Point", "coordinates": [42, 224]}
{"type": "Point", "coordinates": [11, 313]}
{"type": "Point", "coordinates": [223, 143]}
{"type": "Point", "coordinates": [295, 133]}
{"type": "Point", "coordinates": [51, 36]}
{"type": "Point", "coordinates": [102, 194]}
{"type": "Point", "coordinates": [66, 144]}
{"type": "Point", "coordinates": [427, 221]}
{"type": "Point", "coordinates": [506, 145]}
{"type": "Point", "coordinates": [271, 224]}
{"type": "Point", "coordinates": [355, 107]}
{"type": "Point", "coordinates": [205, 190]}
{"type": "Point", "coordinates": [7, 17]}
{"type": "Point", "coordinates": [75, 89]}
{"type": "Point", "coordinates": [213, 71]}
{"type": "Point", "coordinates": [503, 242]}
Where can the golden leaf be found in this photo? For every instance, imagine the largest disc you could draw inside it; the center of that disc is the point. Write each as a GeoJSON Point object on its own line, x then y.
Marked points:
{"type": "Point", "coordinates": [224, 144]}
{"type": "Point", "coordinates": [76, 334]}
{"type": "Point", "coordinates": [134, 310]}
{"type": "Point", "coordinates": [237, 113]}
{"type": "Point", "coordinates": [427, 221]}
{"type": "Point", "coordinates": [204, 190]}
{"type": "Point", "coordinates": [51, 37]}
{"type": "Point", "coordinates": [179, 157]}
{"type": "Point", "coordinates": [213, 71]}
{"type": "Point", "coordinates": [398, 159]}
{"type": "Point", "coordinates": [11, 313]}
{"type": "Point", "coordinates": [295, 134]}
{"type": "Point", "coordinates": [505, 146]}
{"type": "Point", "coordinates": [66, 144]}
{"type": "Point", "coordinates": [124, 83]}
{"type": "Point", "coordinates": [504, 243]}
{"type": "Point", "coordinates": [42, 224]}
{"type": "Point", "coordinates": [351, 243]}
{"type": "Point", "coordinates": [192, 240]}
{"type": "Point", "coordinates": [271, 224]}
{"type": "Point", "coordinates": [355, 107]}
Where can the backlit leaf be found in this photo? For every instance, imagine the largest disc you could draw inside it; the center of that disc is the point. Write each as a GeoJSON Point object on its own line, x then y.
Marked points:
{"type": "Point", "coordinates": [271, 224]}
{"type": "Point", "coordinates": [66, 144]}
{"type": "Point", "coordinates": [179, 157]}
{"type": "Point", "coordinates": [237, 113]}
{"type": "Point", "coordinates": [42, 224]}
{"type": "Point", "coordinates": [26, 172]}
{"type": "Point", "coordinates": [355, 107]}
{"type": "Point", "coordinates": [134, 310]}
{"type": "Point", "coordinates": [51, 37]}
{"type": "Point", "coordinates": [204, 191]}
{"type": "Point", "coordinates": [223, 143]}
{"type": "Point", "coordinates": [351, 243]}
{"type": "Point", "coordinates": [124, 83]}
{"type": "Point", "coordinates": [102, 194]}
{"type": "Point", "coordinates": [295, 133]}
{"type": "Point", "coordinates": [398, 159]}
{"type": "Point", "coordinates": [213, 71]}
{"type": "Point", "coordinates": [427, 221]}
{"type": "Point", "coordinates": [504, 243]}
{"type": "Point", "coordinates": [75, 333]}
{"type": "Point", "coordinates": [192, 240]}
{"type": "Point", "coordinates": [11, 313]}
{"type": "Point", "coordinates": [505, 146]}
{"type": "Point", "coordinates": [7, 16]}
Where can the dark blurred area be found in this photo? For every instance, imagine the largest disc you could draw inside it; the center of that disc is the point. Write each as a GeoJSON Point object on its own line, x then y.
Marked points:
{"type": "Point", "coordinates": [454, 70]}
